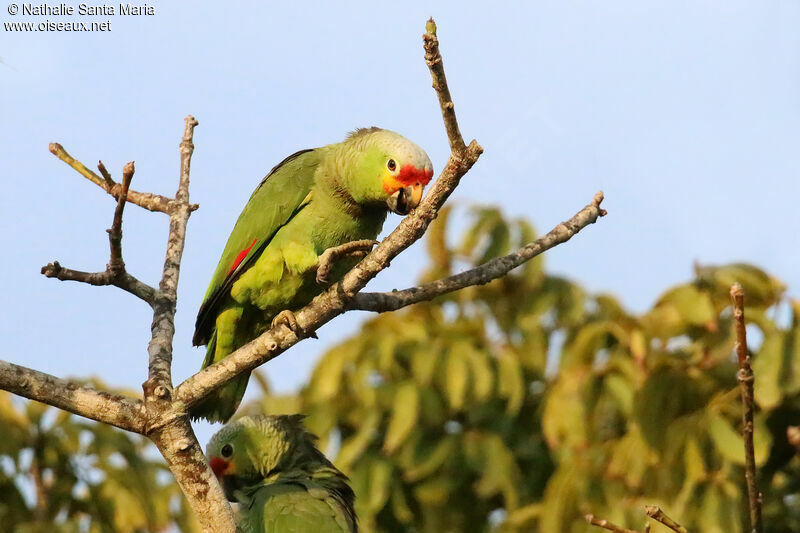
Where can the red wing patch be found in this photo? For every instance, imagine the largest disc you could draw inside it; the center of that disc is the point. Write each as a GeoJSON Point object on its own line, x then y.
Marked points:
{"type": "Point", "coordinates": [241, 256]}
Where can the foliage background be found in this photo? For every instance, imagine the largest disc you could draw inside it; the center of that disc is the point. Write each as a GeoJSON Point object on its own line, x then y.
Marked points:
{"type": "Point", "coordinates": [516, 406]}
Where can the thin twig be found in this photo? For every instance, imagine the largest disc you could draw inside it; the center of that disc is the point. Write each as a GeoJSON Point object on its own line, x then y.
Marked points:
{"type": "Point", "coordinates": [605, 524]}
{"type": "Point", "coordinates": [115, 273]}
{"type": "Point", "coordinates": [106, 175]}
{"type": "Point", "coordinates": [391, 301]}
{"type": "Point", "coordinates": [746, 378]}
{"type": "Point", "coordinates": [149, 201]}
{"type": "Point", "coordinates": [114, 409]}
{"type": "Point", "coordinates": [655, 512]}
{"type": "Point", "coordinates": [433, 58]}
{"type": "Point", "coordinates": [116, 265]}
{"type": "Point", "coordinates": [124, 281]}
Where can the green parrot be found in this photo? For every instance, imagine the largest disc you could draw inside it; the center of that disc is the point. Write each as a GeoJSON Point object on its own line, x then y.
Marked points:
{"type": "Point", "coordinates": [318, 200]}
{"type": "Point", "coordinates": [271, 467]}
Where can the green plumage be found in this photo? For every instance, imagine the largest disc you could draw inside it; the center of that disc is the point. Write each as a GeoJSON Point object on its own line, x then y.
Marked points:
{"type": "Point", "coordinates": [271, 467]}
{"type": "Point", "coordinates": [313, 200]}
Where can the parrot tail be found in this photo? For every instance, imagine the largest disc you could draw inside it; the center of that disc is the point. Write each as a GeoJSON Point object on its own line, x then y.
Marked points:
{"type": "Point", "coordinates": [220, 405]}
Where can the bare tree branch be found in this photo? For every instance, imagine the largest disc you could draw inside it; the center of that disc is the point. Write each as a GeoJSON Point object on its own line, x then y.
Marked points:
{"type": "Point", "coordinates": [124, 281]}
{"type": "Point", "coordinates": [160, 348]}
{"type": "Point", "coordinates": [115, 273]}
{"type": "Point", "coordinates": [655, 512]}
{"type": "Point", "coordinates": [149, 201]}
{"type": "Point", "coordinates": [116, 265]}
{"type": "Point", "coordinates": [496, 268]}
{"type": "Point", "coordinates": [114, 409]}
{"type": "Point", "coordinates": [106, 175]}
{"type": "Point", "coordinates": [605, 524]}
{"type": "Point", "coordinates": [746, 379]}
{"type": "Point", "coordinates": [167, 422]}
{"type": "Point", "coordinates": [433, 58]}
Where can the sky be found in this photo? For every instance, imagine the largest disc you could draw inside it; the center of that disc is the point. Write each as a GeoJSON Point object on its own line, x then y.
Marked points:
{"type": "Point", "coordinates": [686, 114]}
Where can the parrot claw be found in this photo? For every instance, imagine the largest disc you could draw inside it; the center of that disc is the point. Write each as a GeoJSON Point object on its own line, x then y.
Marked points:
{"type": "Point", "coordinates": [287, 318]}
{"type": "Point", "coordinates": [329, 256]}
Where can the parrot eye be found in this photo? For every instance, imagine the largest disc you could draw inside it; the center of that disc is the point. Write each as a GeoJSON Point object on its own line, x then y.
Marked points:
{"type": "Point", "coordinates": [227, 451]}
{"type": "Point", "coordinates": [391, 165]}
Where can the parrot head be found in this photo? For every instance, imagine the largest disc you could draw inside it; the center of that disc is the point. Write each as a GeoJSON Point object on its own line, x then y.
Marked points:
{"type": "Point", "coordinates": [389, 169]}
{"type": "Point", "coordinates": [262, 448]}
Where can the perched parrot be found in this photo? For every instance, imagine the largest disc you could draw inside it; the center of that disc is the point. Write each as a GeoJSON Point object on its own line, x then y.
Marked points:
{"type": "Point", "coordinates": [312, 201]}
{"type": "Point", "coordinates": [271, 467]}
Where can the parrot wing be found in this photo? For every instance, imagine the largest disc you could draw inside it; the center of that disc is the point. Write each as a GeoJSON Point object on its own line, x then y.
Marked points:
{"type": "Point", "coordinates": [291, 508]}
{"type": "Point", "coordinates": [276, 200]}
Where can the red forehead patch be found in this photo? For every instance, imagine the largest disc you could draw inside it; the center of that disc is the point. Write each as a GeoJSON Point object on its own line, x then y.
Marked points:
{"type": "Point", "coordinates": [411, 175]}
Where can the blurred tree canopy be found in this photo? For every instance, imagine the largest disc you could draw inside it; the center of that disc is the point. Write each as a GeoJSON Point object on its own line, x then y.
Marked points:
{"type": "Point", "coordinates": [525, 403]}
{"type": "Point", "coordinates": [516, 406]}
{"type": "Point", "coordinates": [62, 474]}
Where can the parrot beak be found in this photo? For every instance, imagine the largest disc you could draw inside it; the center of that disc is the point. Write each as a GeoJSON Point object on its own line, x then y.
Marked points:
{"type": "Point", "coordinates": [406, 199]}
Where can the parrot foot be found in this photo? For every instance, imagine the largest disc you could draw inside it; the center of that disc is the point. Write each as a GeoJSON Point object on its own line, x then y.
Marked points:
{"type": "Point", "coordinates": [287, 318]}
{"type": "Point", "coordinates": [331, 255]}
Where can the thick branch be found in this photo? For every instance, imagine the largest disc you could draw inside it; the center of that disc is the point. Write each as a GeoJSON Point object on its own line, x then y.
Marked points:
{"type": "Point", "coordinates": [163, 328]}
{"type": "Point", "coordinates": [605, 524]}
{"type": "Point", "coordinates": [149, 201]}
{"type": "Point", "coordinates": [496, 268]}
{"type": "Point", "coordinates": [655, 512]}
{"type": "Point", "coordinates": [167, 423]}
{"type": "Point", "coordinates": [114, 409]}
{"type": "Point", "coordinates": [746, 379]}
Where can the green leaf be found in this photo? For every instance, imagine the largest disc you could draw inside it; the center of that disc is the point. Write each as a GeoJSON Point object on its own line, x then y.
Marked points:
{"type": "Point", "coordinates": [430, 457]}
{"type": "Point", "coordinates": [511, 382]}
{"type": "Point", "coordinates": [355, 446]}
{"type": "Point", "coordinates": [481, 370]}
{"type": "Point", "coordinates": [380, 481]}
{"type": "Point", "coordinates": [456, 378]}
{"type": "Point", "coordinates": [405, 414]}
{"type": "Point", "coordinates": [768, 368]}
{"type": "Point", "coordinates": [677, 309]}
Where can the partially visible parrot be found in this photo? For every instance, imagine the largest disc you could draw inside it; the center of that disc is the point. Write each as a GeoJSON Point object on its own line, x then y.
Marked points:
{"type": "Point", "coordinates": [312, 201]}
{"type": "Point", "coordinates": [272, 468]}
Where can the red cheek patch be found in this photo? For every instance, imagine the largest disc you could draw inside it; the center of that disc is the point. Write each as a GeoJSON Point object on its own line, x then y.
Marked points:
{"type": "Point", "coordinates": [411, 175]}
